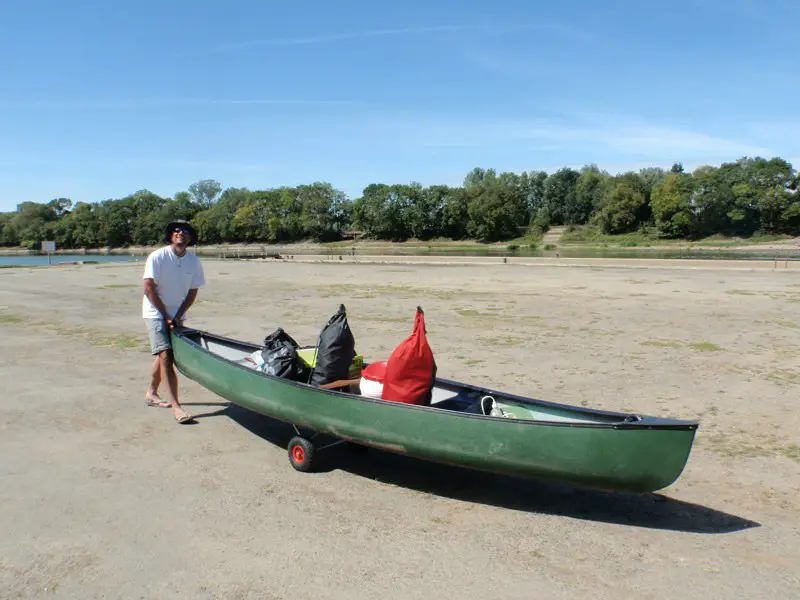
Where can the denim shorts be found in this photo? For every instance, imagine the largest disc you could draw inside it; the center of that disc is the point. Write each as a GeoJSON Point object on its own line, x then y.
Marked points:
{"type": "Point", "coordinates": [158, 331]}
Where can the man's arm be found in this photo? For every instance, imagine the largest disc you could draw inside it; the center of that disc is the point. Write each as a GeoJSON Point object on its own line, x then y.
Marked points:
{"type": "Point", "coordinates": [187, 302]}
{"type": "Point", "coordinates": [155, 299]}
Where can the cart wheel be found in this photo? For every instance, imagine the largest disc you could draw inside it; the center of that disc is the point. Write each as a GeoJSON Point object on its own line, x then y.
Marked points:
{"type": "Point", "coordinates": [301, 453]}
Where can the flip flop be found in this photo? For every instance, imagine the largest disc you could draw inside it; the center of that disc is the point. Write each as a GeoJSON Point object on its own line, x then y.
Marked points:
{"type": "Point", "coordinates": [184, 418]}
{"type": "Point", "coordinates": [156, 403]}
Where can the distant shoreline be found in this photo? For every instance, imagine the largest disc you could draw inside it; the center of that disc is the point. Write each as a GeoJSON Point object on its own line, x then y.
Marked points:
{"type": "Point", "coordinates": [454, 248]}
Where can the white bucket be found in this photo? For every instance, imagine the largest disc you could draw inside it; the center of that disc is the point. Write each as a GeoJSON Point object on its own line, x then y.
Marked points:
{"type": "Point", "coordinates": [371, 388]}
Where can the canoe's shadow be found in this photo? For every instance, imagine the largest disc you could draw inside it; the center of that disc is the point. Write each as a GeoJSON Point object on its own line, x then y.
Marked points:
{"type": "Point", "coordinates": [653, 511]}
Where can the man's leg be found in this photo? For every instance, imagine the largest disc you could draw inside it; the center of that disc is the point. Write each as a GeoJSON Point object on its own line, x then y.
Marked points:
{"type": "Point", "coordinates": [159, 342]}
{"type": "Point", "coordinates": [168, 373]}
{"type": "Point", "coordinates": [155, 380]}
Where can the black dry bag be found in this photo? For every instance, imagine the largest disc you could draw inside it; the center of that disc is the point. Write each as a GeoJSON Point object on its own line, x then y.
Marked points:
{"type": "Point", "coordinates": [280, 357]}
{"type": "Point", "coordinates": [335, 351]}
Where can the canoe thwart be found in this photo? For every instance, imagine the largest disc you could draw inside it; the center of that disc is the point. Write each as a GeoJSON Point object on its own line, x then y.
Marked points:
{"type": "Point", "coordinates": [340, 383]}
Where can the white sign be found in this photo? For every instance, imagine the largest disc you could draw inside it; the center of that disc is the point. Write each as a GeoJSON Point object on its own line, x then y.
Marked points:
{"type": "Point", "coordinates": [48, 247]}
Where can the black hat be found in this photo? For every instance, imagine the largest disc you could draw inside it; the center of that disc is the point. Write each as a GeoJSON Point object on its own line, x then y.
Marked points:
{"type": "Point", "coordinates": [183, 225]}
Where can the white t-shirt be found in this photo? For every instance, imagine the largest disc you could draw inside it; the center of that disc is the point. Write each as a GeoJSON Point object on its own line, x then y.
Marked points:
{"type": "Point", "coordinates": [174, 276]}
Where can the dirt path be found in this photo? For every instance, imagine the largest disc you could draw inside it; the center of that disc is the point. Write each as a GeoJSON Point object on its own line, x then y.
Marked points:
{"type": "Point", "coordinates": [553, 235]}
{"type": "Point", "coordinates": [103, 497]}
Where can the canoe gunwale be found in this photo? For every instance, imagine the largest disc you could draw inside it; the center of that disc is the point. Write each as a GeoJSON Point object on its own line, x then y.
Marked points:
{"type": "Point", "coordinates": [643, 422]}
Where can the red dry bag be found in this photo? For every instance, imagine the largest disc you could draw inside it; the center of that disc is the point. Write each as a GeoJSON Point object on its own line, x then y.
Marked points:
{"type": "Point", "coordinates": [411, 368]}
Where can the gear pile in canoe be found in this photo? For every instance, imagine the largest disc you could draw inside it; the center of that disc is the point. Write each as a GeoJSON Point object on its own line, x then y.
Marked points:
{"type": "Point", "coordinates": [400, 405]}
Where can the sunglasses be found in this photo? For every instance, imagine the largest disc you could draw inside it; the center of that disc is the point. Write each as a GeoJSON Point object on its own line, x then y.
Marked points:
{"type": "Point", "coordinates": [182, 230]}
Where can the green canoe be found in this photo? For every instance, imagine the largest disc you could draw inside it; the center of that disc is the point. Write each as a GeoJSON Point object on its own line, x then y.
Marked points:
{"type": "Point", "coordinates": [465, 425]}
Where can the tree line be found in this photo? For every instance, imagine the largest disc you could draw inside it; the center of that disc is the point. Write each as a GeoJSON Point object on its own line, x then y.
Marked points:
{"type": "Point", "coordinates": [741, 198]}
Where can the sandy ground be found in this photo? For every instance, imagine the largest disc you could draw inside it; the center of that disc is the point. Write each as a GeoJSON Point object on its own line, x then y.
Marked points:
{"type": "Point", "coordinates": [104, 498]}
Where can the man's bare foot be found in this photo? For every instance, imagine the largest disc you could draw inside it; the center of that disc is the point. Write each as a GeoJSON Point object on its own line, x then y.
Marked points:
{"type": "Point", "coordinates": [181, 415]}
{"type": "Point", "coordinates": [153, 399]}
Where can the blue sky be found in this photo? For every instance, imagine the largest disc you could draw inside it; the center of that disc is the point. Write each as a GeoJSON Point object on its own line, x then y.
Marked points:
{"type": "Point", "coordinates": [100, 99]}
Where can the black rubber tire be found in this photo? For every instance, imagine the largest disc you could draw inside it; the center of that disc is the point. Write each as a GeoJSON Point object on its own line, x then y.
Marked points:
{"type": "Point", "coordinates": [301, 454]}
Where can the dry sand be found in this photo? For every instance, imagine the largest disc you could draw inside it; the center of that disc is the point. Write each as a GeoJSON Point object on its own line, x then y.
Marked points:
{"type": "Point", "coordinates": [104, 498]}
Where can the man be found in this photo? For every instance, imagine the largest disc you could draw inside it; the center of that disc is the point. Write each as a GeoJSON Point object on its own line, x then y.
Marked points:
{"type": "Point", "coordinates": [172, 277]}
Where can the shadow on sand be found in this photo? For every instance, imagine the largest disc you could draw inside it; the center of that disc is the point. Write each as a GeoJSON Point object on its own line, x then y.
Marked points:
{"type": "Point", "coordinates": [653, 511]}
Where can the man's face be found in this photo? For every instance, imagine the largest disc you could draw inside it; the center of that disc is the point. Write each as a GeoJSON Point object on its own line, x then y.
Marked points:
{"type": "Point", "coordinates": [180, 236]}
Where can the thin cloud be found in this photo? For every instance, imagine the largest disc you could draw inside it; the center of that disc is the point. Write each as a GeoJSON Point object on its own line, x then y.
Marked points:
{"type": "Point", "coordinates": [142, 103]}
{"type": "Point", "coordinates": [188, 164]}
{"type": "Point", "coordinates": [335, 37]}
{"type": "Point", "coordinates": [631, 137]}
{"type": "Point", "coordinates": [775, 129]}
{"type": "Point", "coordinates": [564, 30]}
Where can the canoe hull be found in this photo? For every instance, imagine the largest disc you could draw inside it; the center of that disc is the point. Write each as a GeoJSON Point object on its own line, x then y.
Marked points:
{"type": "Point", "coordinates": [622, 457]}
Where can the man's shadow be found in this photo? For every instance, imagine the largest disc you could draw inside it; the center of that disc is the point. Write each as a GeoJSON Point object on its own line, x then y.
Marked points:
{"type": "Point", "coordinates": [653, 510]}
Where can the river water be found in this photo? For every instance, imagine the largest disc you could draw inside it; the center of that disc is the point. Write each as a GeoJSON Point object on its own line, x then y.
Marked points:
{"type": "Point", "coordinates": [35, 261]}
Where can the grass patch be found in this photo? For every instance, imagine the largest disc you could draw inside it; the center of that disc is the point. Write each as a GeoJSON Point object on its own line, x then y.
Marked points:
{"type": "Point", "coordinates": [117, 286]}
{"type": "Point", "coordinates": [346, 291]}
{"type": "Point", "coordinates": [444, 294]}
{"type": "Point", "coordinates": [784, 376]}
{"type": "Point", "coordinates": [740, 292]}
{"type": "Point", "coordinates": [122, 341]}
{"type": "Point", "coordinates": [647, 237]}
{"type": "Point", "coordinates": [721, 240]}
{"type": "Point", "coordinates": [662, 344]}
{"type": "Point", "coordinates": [705, 347]}
{"type": "Point", "coordinates": [699, 346]}
{"type": "Point", "coordinates": [592, 235]}
{"type": "Point", "coordinates": [377, 319]}
{"type": "Point", "coordinates": [786, 323]}
{"type": "Point", "coordinates": [9, 318]}
{"type": "Point", "coordinates": [791, 451]}
{"type": "Point", "coordinates": [729, 446]}
{"type": "Point", "coordinates": [500, 341]}
{"type": "Point", "coordinates": [472, 362]}
{"type": "Point", "coordinates": [469, 313]}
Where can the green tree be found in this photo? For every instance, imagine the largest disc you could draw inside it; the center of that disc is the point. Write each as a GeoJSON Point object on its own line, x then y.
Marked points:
{"type": "Point", "coordinates": [495, 211]}
{"type": "Point", "coordinates": [671, 205]}
{"type": "Point", "coordinates": [559, 196]}
{"type": "Point", "coordinates": [624, 208]}
{"type": "Point", "coordinates": [533, 185]}
{"type": "Point", "coordinates": [380, 211]}
{"type": "Point", "coordinates": [318, 204]}
{"type": "Point", "coordinates": [205, 191]}
{"type": "Point", "coordinates": [454, 217]}
{"type": "Point", "coordinates": [83, 226]}
{"type": "Point", "coordinates": [8, 233]}
{"type": "Point", "coordinates": [589, 190]}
